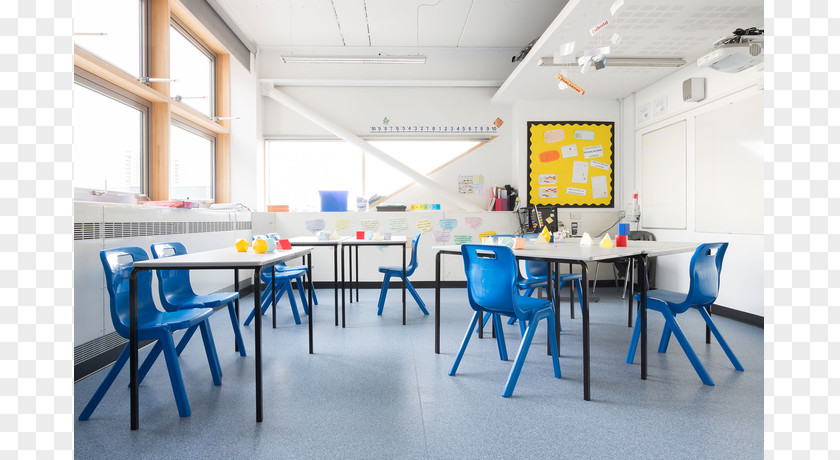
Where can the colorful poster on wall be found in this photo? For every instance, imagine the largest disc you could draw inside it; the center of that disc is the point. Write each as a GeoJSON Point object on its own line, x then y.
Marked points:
{"type": "Point", "coordinates": [571, 163]}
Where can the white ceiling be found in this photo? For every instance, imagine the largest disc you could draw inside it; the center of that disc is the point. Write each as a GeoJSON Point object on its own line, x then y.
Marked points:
{"type": "Point", "coordinates": [480, 37]}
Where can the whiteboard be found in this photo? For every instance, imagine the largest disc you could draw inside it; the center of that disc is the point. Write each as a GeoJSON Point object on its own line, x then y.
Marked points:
{"type": "Point", "coordinates": [663, 178]}
{"type": "Point", "coordinates": [729, 168]}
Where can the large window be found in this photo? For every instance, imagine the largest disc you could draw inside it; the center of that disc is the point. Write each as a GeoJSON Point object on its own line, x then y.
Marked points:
{"type": "Point", "coordinates": [192, 65]}
{"type": "Point", "coordinates": [112, 30]}
{"type": "Point", "coordinates": [109, 139]}
{"type": "Point", "coordinates": [298, 169]}
{"type": "Point", "coordinates": [191, 158]}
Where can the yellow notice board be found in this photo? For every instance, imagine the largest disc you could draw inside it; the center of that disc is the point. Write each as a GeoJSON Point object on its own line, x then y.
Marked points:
{"type": "Point", "coordinates": [571, 163]}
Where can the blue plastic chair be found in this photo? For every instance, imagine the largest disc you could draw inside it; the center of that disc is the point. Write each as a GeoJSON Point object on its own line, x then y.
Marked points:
{"type": "Point", "coordinates": [283, 280]}
{"type": "Point", "coordinates": [282, 265]}
{"type": "Point", "coordinates": [176, 293]}
{"type": "Point", "coordinates": [491, 287]}
{"type": "Point", "coordinates": [704, 269]}
{"type": "Point", "coordinates": [393, 270]}
{"type": "Point", "coordinates": [152, 324]}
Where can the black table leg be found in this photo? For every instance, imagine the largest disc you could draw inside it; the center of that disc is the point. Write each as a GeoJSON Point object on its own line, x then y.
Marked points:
{"type": "Point", "coordinates": [132, 353]}
{"type": "Point", "coordinates": [549, 293]}
{"type": "Point", "coordinates": [357, 276]}
{"type": "Point", "coordinates": [708, 331]}
{"type": "Point", "coordinates": [437, 303]}
{"type": "Point", "coordinates": [311, 305]}
{"type": "Point", "coordinates": [350, 270]}
{"type": "Point", "coordinates": [273, 300]}
{"type": "Point", "coordinates": [630, 281]}
{"type": "Point", "coordinates": [556, 303]}
{"type": "Point", "coordinates": [236, 304]}
{"type": "Point", "coordinates": [640, 274]}
{"type": "Point", "coordinates": [342, 286]}
{"type": "Point", "coordinates": [335, 280]}
{"type": "Point", "coordinates": [258, 344]}
{"type": "Point", "coordinates": [571, 295]}
{"type": "Point", "coordinates": [585, 320]}
{"type": "Point", "coordinates": [405, 281]}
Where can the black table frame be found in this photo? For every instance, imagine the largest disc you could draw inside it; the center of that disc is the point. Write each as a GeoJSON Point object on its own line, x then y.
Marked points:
{"type": "Point", "coordinates": [641, 266]}
{"type": "Point", "coordinates": [356, 243]}
{"type": "Point", "coordinates": [133, 331]}
{"type": "Point", "coordinates": [335, 244]}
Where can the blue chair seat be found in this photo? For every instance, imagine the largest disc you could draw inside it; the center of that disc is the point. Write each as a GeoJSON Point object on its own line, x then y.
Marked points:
{"type": "Point", "coordinates": [205, 301]}
{"type": "Point", "coordinates": [149, 324]}
{"type": "Point", "coordinates": [396, 269]}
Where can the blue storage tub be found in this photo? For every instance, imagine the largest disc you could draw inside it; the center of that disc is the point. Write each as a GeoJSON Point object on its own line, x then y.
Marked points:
{"type": "Point", "coordinates": [333, 200]}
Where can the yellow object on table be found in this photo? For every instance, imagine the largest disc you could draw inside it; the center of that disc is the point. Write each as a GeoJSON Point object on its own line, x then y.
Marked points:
{"type": "Point", "coordinates": [260, 246]}
{"type": "Point", "coordinates": [242, 246]}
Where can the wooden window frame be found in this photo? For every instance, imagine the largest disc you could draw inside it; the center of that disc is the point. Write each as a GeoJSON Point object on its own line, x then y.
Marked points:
{"type": "Point", "coordinates": [158, 16]}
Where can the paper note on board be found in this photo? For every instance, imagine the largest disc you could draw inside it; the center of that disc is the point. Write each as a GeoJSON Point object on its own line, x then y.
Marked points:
{"type": "Point", "coordinates": [397, 225]}
{"type": "Point", "coordinates": [341, 224]}
{"type": "Point", "coordinates": [473, 222]}
{"type": "Point", "coordinates": [580, 172]}
{"type": "Point", "coordinates": [569, 151]}
{"type": "Point", "coordinates": [371, 225]}
{"type": "Point", "coordinates": [315, 225]}
{"type": "Point", "coordinates": [599, 165]}
{"type": "Point", "coordinates": [548, 192]}
{"type": "Point", "coordinates": [554, 135]}
{"type": "Point", "coordinates": [463, 239]}
{"type": "Point", "coordinates": [599, 187]}
{"type": "Point", "coordinates": [584, 135]}
{"type": "Point", "coordinates": [424, 225]}
{"type": "Point", "coordinates": [593, 151]}
{"type": "Point", "coordinates": [548, 179]}
{"type": "Point", "coordinates": [441, 236]}
{"type": "Point", "coordinates": [575, 191]}
{"type": "Point", "coordinates": [448, 224]}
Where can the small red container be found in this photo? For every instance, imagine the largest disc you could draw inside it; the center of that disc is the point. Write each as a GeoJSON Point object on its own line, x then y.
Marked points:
{"type": "Point", "coordinates": [284, 244]}
{"type": "Point", "coordinates": [621, 241]}
{"type": "Point", "coordinates": [360, 235]}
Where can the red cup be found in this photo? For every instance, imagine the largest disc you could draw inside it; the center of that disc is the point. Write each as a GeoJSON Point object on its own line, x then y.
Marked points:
{"type": "Point", "coordinates": [360, 235]}
{"type": "Point", "coordinates": [621, 241]}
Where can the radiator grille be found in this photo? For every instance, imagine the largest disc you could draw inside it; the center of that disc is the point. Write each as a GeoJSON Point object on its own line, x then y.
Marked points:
{"type": "Point", "coordinates": [107, 230]}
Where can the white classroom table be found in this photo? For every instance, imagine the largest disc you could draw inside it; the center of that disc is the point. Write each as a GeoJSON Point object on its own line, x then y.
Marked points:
{"type": "Point", "coordinates": [314, 241]}
{"type": "Point", "coordinates": [573, 253]}
{"type": "Point", "coordinates": [217, 259]}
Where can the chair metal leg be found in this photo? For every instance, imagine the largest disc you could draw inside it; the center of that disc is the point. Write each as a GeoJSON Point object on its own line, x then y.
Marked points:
{"type": "Point", "coordinates": [520, 359]}
{"type": "Point", "coordinates": [210, 351]}
{"type": "Point", "coordinates": [383, 292]}
{"type": "Point", "coordinates": [175, 377]}
{"type": "Point", "coordinates": [416, 296]}
{"type": "Point", "coordinates": [105, 385]}
{"type": "Point", "coordinates": [689, 352]}
{"type": "Point", "coordinates": [720, 340]}
{"type": "Point", "coordinates": [464, 343]}
{"type": "Point", "coordinates": [240, 344]}
{"type": "Point", "coordinates": [500, 337]}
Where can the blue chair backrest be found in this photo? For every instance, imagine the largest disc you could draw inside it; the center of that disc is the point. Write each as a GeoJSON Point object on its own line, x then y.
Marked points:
{"type": "Point", "coordinates": [118, 264]}
{"type": "Point", "coordinates": [536, 269]}
{"type": "Point", "coordinates": [172, 284]}
{"type": "Point", "coordinates": [491, 277]}
{"type": "Point", "coordinates": [705, 274]}
{"type": "Point", "coordinates": [412, 265]}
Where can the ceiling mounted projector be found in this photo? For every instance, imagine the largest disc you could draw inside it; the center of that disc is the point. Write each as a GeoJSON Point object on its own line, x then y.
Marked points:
{"type": "Point", "coordinates": [733, 54]}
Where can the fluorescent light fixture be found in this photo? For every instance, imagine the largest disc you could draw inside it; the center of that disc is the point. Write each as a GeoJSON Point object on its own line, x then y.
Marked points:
{"type": "Point", "coordinates": [621, 62]}
{"type": "Point", "coordinates": [354, 59]}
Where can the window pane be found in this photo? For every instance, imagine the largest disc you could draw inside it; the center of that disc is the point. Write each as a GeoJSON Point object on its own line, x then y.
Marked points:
{"type": "Point", "coordinates": [191, 160]}
{"type": "Point", "coordinates": [421, 156]}
{"type": "Point", "coordinates": [107, 142]}
{"type": "Point", "coordinates": [194, 71]}
{"type": "Point", "coordinates": [297, 170]}
{"type": "Point", "coordinates": [120, 20]}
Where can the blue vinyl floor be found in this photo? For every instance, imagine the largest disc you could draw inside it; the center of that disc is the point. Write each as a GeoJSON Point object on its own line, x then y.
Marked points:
{"type": "Point", "coordinates": [377, 390]}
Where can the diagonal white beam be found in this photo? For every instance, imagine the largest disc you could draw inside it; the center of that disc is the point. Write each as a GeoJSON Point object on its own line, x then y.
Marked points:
{"type": "Point", "coordinates": [349, 137]}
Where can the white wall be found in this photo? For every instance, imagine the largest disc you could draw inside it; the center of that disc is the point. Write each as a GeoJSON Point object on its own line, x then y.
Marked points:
{"type": "Point", "coordinates": [358, 108]}
{"type": "Point", "coordinates": [246, 144]}
{"type": "Point", "coordinates": [742, 276]}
